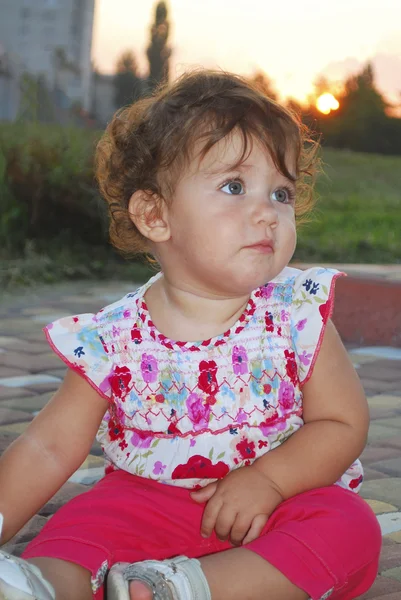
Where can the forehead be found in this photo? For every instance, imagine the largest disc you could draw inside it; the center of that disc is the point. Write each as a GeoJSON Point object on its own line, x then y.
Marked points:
{"type": "Point", "coordinates": [236, 152]}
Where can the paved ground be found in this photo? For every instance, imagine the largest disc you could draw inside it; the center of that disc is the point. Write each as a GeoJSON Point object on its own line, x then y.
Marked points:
{"type": "Point", "coordinates": [30, 373]}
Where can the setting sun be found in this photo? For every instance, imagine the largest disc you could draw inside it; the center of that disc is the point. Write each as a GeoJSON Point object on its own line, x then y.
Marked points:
{"type": "Point", "coordinates": [326, 103]}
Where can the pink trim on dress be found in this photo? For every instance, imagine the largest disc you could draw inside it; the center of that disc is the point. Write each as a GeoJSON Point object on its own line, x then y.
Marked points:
{"type": "Point", "coordinates": [74, 366]}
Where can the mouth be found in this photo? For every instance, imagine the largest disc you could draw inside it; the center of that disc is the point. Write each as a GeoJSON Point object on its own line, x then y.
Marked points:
{"type": "Point", "coordinates": [264, 246]}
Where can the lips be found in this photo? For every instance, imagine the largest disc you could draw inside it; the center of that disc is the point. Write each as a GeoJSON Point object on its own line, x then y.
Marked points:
{"type": "Point", "coordinates": [265, 246]}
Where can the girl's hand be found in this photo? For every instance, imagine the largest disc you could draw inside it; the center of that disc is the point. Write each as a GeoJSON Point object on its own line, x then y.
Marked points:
{"type": "Point", "coordinates": [239, 505]}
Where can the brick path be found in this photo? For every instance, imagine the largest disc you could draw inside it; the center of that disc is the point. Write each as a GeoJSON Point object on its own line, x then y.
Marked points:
{"type": "Point", "coordinates": [30, 373]}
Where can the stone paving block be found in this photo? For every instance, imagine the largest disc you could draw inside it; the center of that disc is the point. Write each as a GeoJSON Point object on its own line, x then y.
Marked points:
{"type": "Point", "coordinates": [391, 492]}
{"type": "Point", "coordinates": [369, 474]}
{"type": "Point", "coordinates": [390, 522]}
{"type": "Point", "coordinates": [390, 422]}
{"type": "Point", "coordinates": [373, 454]}
{"type": "Point", "coordinates": [380, 507]}
{"type": "Point", "coordinates": [8, 415]}
{"type": "Point", "coordinates": [96, 449]}
{"type": "Point", "coordinates": [13, 327]}
{"type": "Point", "coordinates": [394, 537]}
{"type": "Point", "coordinates": [11, 372]}
{"type": "Point", "coordinates": [44, 388]}
{"type": "Point", "coordinates": [14, 427]}
{"type": "Point", "coordinates": [34, 363]}
{"type": "Point", "coordinates": [18, 543]}
{"type": "Point", "coordinates": [381, 587]}
{"type": "Point", "coordinates": [13, 343]}
{"type": "Point", "coordinates": [373, 385]}
{"type": "Point", "coordinates": [28, 404]}
{"type": "Point", "coordinates": [384, 401]}
{"type": "Point", "coordinates": [92, 461]}
{"type": "Point", "coordinates": [380, 432]}
{"type": "Point", "coordinates": [30, 381]}
{"type": "Point", "coordinates": [59, 373]}
{"type": "Point", "coordinates": [390, 372]}
{"type": "Point", "coordinates": [65, 493]}
{"type": "Point", "coordinates": [35, 336]}
{"type": "Point", "coordinates": [391, 466]}
{"type": "Point", "coordinates": [393, 441]}
{"type": "Point", "coordinates": [376, 413]}
{"type": "Point", "coordinates": [394, 573]}
{"type": "Point", "coordinates": [6, 438]}
{"type": "Point", "coordinates": [14, 392]}
{"type": "Point", "coordinates": [390, 557]}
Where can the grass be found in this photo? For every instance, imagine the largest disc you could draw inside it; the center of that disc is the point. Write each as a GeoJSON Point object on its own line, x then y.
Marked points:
{"type": "Point", "coordinates": [358, 215]}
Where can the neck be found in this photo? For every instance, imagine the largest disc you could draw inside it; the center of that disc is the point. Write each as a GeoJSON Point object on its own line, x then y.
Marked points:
{"type": "Point", "coordinates": [191, 313]}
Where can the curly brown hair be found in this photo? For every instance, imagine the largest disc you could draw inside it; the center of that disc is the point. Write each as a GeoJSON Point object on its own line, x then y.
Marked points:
{"type": "Point", "coordinates": [148, 144]}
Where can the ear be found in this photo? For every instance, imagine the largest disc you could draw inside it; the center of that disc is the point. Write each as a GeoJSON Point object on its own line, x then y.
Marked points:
{"type": "Point", "coordinates": [149, 214]}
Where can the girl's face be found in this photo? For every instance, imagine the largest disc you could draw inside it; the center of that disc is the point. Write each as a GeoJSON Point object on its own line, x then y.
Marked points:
{"type": "Point", "coordinates": [231, 230]}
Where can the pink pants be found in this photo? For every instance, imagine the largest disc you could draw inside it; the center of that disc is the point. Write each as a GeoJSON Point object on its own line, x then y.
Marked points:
{"type": "Point", "coordinates": [326, 541]}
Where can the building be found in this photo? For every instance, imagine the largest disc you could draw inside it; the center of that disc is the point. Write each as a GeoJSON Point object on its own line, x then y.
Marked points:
{"type": "Point", "coordinates": [51, 38]}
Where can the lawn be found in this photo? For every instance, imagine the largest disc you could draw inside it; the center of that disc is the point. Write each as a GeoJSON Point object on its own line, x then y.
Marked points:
{"type": "Point", "coordinates": [358, 214]}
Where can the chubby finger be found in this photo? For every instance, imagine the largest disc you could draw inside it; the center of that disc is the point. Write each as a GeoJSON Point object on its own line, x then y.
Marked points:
{"type": "Point", "coordinates": [224, 522]}
{"type": "Point", "coordinates": [210, 514]}
{"type": "Point", "coordinates": [205, 493]}
{"type": "Point", "coordinates": [255, 529]}
{"type": "Point", "coordinates": [239, 529]}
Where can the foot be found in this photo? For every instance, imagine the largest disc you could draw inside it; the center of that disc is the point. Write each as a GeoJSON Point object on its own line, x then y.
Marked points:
{"type": "Point", "coordinates": [139, 591]}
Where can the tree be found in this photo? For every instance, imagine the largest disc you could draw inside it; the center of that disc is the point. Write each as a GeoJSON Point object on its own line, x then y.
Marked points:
{"type": "Point", "coordinates": [264, 84]}
{"type": "Point", "coordinates": [158, 51]}
{"type": "Point", "coordinates": [128, 86]}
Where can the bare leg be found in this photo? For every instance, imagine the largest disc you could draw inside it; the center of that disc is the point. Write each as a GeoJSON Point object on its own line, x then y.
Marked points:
{"type": "Point", "coordinates": [70, 581]}
{"type": "Point", "coordinates": [238, 574]}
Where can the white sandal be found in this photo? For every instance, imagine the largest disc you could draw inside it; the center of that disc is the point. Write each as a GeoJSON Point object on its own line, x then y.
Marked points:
{"type": "Point", "coordinates": [177, 578]}
{"type": "Point", "coordinates": [20, 580]}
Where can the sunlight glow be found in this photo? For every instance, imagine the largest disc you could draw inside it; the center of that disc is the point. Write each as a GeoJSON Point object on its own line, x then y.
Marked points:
{"type": "Point", "coordinates": [326, 103]}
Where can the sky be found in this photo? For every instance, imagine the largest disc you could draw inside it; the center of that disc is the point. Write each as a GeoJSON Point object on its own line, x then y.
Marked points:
{"type": "Point", "coordinates": [293, 41]}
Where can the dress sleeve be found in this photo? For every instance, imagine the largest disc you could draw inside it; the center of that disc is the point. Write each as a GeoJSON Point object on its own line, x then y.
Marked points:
{"type": "Point", "coordinates": [77, 341]}
{"type": "Point", "coordinates": [312, 306]}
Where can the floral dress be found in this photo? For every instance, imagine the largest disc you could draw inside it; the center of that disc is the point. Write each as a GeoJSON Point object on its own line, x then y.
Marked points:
{"type": "Point", "coordinates": [187, 413]}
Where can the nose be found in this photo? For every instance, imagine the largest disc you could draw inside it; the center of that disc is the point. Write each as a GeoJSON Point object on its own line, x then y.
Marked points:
{"type": "Point", "coordinates": [265, 212]}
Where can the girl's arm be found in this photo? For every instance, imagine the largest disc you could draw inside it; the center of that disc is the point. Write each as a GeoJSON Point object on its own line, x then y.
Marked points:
{"type": "Point", "coordinates": [53, 446]}
{"type": "Point", "coordinates": [336, 417]}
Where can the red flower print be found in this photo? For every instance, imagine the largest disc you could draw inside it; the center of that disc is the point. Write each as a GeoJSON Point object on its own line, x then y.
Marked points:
{"type": "Point", "coordinates": [246, 449]}
{"type": "Point", "coordinates": [291, 366]}
{"type": "Point", "coordinates": [109, 469]}
{"type": "Point", "coordinates": [262, 444]}
{"type": "Point", "coordinates": [269, 322]}
{"type": "Point", "coordinates": [324, 310]}
{"type": "Point", "coordinates": [123, 445]}
{"type": "Point", "coordinates": [119, 381]}
{"type": "Point", "coordinates": [270, 420]}
{"type": "Point", "coordinates": [199, 467]}
{"type": "Point", "coordinates": [136, 335]}
{"type": "Point", "coordinates": [115, 430]}
{"type": "Point", "coordinates": [207, 380]}
{"type": "Point", "coordinates": [354, 483]}
{"type": "Point", "coordinates": [173, 429]}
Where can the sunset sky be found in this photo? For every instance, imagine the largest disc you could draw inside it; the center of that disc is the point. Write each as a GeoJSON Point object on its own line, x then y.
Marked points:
{"type": "Point", "coordinates": [293, 41]}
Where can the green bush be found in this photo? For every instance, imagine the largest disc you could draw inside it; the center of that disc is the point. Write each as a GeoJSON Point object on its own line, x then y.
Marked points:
{"type": "Point", "coordinates": [47, 188]}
